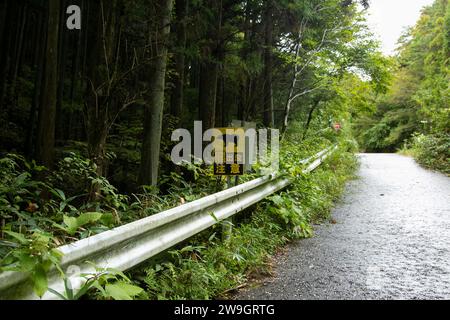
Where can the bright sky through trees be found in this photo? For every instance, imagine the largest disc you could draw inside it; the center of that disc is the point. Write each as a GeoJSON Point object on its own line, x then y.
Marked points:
{"type": "Point", "coordinates": [388, 19]}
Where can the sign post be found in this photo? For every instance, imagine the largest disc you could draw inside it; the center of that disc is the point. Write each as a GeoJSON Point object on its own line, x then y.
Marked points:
{"type": "Point", "coordinates": [227, 225]}
{"type": "Point", "coordinates": [229, 162]}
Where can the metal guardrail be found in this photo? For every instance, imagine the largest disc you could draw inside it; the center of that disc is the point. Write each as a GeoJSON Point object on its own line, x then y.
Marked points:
{"type": "Point", "coordinates": [129, 245]}
{"type": "Point", "coordinates": [316, 156]}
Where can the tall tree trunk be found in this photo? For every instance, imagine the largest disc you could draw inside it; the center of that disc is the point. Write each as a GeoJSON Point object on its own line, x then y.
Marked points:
{"type": "Point", "coordinates": [194, 74]}
{"type": "Point", "coordinates": [35, 105]}
{"type": "Point", "coordinates": [61, 76]}
{"type": "Point", "coordinates": [176, 101]}
{"type": "Point", "coordinates": [18, 54]}
{"type": "Point", "coordinates": [14, 55]}
{"type": "Point", "coordinates": [208, 93]}
{"type": "Point", "coordinates": [76, 74]}
{"type": "Point", "coordinates": [220, 106]}
{"type": "Point", "coordinates": [3, 13]}
{"type": "Point", "coordinates": [154, 107]}
{"type": "Point", "coordinates": [212, 54]}
{"type": "Point", "coordinates": [7, 47]}
{"type": "Point", "coordinates": [102, 44]}
{"type": "Point", "coordinates": [47, 113]}
{"type": "Point", "coordinates": [310, 117]}
{"type": "Point", "coordinates": [246, 102]}
{"type": "Point", "coordinates": [268, 113]}
{"type": "Point", "coordinates": [296, 73]}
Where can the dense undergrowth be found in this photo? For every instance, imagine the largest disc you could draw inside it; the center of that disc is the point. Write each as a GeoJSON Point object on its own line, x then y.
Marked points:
{"type": "Point", "coordinates": [41, 210]}
{"type": "Point", "coordinates": [431, 151]}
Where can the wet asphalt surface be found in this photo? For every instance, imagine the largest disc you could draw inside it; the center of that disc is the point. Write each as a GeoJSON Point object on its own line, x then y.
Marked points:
{"type": "Point", "coordinates": [391, 240]}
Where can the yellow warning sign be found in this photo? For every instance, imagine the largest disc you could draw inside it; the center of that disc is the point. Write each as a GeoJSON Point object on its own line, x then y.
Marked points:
{"type": "Point", "coordinates": [229, 152]}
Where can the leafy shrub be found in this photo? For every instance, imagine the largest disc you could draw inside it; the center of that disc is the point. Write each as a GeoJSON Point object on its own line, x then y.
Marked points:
{"type": "Point", "coordinates": [76, 176]}
{"type": "Point", "coordinates": [36, 217]}
{"type": "Point", "coordinates": [32, 255]}
{"type": "Point", "coordinates": [72, 174]}
{"type": "Point", "coordinates": [433, 151]}
{"type": "Point", "coordinates": [374, 139]}
{"type": "Point", "coordinates": [287, 209]}
{"type": "Point", "coordinates": [104, 284]}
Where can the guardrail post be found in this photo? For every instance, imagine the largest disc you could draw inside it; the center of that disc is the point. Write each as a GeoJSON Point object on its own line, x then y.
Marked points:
{"type": "Point", "coordinates": [227, 225]}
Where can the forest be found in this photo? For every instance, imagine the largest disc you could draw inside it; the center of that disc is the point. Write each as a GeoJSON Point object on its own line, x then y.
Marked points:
{"type": "Point", "coordinates": [87, 115]}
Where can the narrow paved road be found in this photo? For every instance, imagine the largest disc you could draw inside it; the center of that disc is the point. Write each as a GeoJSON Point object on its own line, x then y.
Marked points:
{"type": "Point", "coordinates": [391, 240]}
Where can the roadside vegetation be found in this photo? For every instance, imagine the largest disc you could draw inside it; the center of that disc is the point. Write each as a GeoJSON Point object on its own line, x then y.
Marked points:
{"type": "Point", "coordinates": [205, 267]}
{"type": "Point", "coordinates": [414, 115]}
{"type": "Point", "coordinates": [209, 268]}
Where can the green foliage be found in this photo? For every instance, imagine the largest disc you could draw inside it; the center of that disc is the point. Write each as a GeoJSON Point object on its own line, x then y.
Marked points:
{"type": "Point", "coordinates": [291, 216]}
{"type": "Point", "coordinates": [447, 33]}
{"type": "Point", "coordinates": [73, 174]}
{"type": "Point", "coordinates": [212, 268]}
{"type": "Point", "coordinates": [77, 175]}
{"type": "Point", "coordinates": [32, 255]}
{"type": "Point", "coordinates": [27, 204]}
{"type": "Point", "coordinates": [17, 189]}
{"type": "Point", "coordinates": [72, 224]}
{"type": "Point", "coordinates": [104, 284]}
{"type": "Point", "coordinates": [37, 217]}
{"type": "Point", "coordinates": [30, 211]}
{"type": "Point", "coordinates": [432, 151]}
